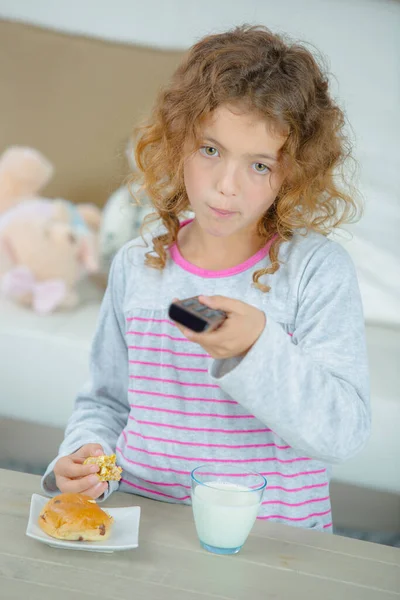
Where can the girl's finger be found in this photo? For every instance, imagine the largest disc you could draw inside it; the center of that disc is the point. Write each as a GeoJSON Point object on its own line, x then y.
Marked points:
{"type": "Point", "coordinates": [77, 486]}
{"type": "Point", "coordinates": [97, 490]}
{"type": "Point", "coordinates": [73, 470]}
{"type": "Point", "coordinates": [88, 450]}
{"type": "Point", "coordinates": [228, 305]}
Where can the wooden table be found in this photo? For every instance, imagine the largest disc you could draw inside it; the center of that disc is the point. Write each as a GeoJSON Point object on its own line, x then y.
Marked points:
{"type": "Point", "coordinates": [277, 561]}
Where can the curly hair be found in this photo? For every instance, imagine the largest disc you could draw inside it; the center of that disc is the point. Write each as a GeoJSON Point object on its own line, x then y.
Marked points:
{"type": "Point", "coordinates": [282, 82]}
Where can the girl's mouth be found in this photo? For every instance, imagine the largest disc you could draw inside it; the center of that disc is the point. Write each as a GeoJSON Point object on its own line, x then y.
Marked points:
{"type": "Point", "coordinates": [222, 213]}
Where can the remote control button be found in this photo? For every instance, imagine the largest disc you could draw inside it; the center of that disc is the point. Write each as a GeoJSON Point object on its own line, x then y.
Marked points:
{"type": "Point", "coordinates": [198, 304]}
{"type": "Point", "coordinates": [201, 308]}
{"type": "Point", "coordinates": [190, 302]}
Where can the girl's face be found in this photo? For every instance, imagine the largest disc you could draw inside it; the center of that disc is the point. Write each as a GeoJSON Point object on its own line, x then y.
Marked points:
{"type": "Point", "coordinates": [233, 178]}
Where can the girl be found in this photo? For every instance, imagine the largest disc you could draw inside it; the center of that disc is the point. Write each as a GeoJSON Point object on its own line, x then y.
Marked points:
{"type": "Point", "coordinates": [248, 138]}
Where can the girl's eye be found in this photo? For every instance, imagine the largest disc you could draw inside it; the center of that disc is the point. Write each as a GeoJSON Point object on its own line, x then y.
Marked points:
{"type": "Point", "coordinates": [260, 168]}
{"type": "Point", "coordinates": [209, 151]}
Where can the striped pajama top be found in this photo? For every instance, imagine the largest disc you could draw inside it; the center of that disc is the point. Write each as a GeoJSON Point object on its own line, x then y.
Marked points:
{"type": "Point", "coordinates": [294, 405]}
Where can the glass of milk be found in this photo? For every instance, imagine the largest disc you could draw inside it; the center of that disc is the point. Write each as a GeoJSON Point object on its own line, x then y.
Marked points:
{"type": "Point", "coordinates": [225, 501]}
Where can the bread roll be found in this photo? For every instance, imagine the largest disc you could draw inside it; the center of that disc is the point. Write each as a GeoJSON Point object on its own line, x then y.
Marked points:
{"type": "Point", "coordinates": [75, 517]}
{"type": "Point", "coordinates": [108, 469]}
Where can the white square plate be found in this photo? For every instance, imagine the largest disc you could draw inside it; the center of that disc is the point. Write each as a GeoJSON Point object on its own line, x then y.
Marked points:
{"type": "Point", "coordinates": [124, 533]}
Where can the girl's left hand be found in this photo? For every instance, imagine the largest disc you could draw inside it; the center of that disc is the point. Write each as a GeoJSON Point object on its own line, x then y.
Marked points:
{"type": "Point", "coordinates": [237, 334]}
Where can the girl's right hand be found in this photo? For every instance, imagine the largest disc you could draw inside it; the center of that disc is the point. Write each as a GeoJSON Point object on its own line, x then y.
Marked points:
{"type": "Point", "coordinates": [72, 476]}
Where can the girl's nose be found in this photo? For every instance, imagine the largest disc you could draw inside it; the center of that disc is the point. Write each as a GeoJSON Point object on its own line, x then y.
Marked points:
{"type": "Point", "coordinates": [227, 183]}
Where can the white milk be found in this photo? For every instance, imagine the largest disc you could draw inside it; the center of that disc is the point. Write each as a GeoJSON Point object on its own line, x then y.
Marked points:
{"type": "Point", "coordinates": [224, 514]}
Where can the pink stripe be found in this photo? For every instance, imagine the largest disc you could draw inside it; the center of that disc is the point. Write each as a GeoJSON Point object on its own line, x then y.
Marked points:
{"type": "Point", "coordinates": [272, 487]}
{"type": "Point", "coordinates": [167, 484]}
{"type": "Point", "coordinates": [267, 474]}
{"type": "Point", "coordinates": [320, 514]}
{"type": "Point", "coordinates": [139, 487]}
{"type": "Point", "coordinates": [191, 398]}
{"type": "Point", "coordinates": [291, 475]}
{"type": "Point", "coordinates": [190, 414]}
{"type": "Point", "coordinates": [148, 320]}
{"type": "Point", "coordinates": [208, 429]}
{"type": "Point", "coordinates": [179, 472]}
{"type": "Point", "coordinates": [300, 489]}
{"type": "Point", "coordinates": [162, 335]}
{"type": "Point", "coordinates": [296, 503]}
{"type": "Point", "coordinates": [327, 525]}
{"type": "Point", "coordinates": [169, 351]}
{"type": "Point", "coordinates": [175, 382]}
{"type": "Point", "coordinates": [134, 462]}
{"type": "Point", "coordinates": [151, 320]}
{"type": "Point", "coordinates": [219, 460]}
{"type": "Point", "coordinates": [182, 262]}
{"type": "Point", "coordinates": [235, 446]}
{"type": "Point", "coordinates": [164, 366]}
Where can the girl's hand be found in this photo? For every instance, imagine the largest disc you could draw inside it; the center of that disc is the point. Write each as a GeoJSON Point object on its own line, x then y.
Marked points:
{"type": "Point", "coordinates": [74, 477]}
{"type": "Point", "coordinates": [238, 332]}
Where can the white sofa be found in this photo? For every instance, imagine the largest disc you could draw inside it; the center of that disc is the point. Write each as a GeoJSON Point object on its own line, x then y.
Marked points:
{"type": "Point", "coordinates": [44, 361]}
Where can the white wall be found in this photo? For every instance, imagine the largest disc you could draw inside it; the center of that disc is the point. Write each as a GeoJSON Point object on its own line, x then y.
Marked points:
{"type": "Point", "coordinates": [361, 39]}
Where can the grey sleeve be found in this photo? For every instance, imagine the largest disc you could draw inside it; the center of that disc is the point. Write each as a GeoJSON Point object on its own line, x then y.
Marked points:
{"type": "Point", "coordinates": [101, 408]}
{"type": "Point", "coordinates": [311, 389]}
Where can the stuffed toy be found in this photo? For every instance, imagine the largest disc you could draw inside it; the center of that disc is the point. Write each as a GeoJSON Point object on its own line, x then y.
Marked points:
{"type": "Point", "coordinates": [23, 173]}
{"type": "Point", "coordinates": [122, 216]}
{"type": "Point", "coordinates": [46, 246]}
{"type": "Point", "coordinates": [121, 222]}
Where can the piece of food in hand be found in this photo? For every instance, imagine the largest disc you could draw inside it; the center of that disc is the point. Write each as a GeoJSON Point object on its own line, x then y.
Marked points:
{"type": "Point", "coordinates": [75, 517]}
{"type": "Point", "coordinates": [108, 469]}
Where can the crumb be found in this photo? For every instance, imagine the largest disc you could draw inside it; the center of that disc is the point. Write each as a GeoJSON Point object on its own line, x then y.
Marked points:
{"type": "Point", "coordinates": [108, 470]}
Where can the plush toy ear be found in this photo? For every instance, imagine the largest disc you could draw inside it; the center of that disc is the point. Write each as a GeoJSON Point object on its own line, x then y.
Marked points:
{"type": "Point", "coordinates": [23, 172]}
{"type": "Point", "coordinates": [91, 214]}
{"type": "Point", "coordinates": [88, 254]}
{"type": "Point", "coordinates": [60, 211]}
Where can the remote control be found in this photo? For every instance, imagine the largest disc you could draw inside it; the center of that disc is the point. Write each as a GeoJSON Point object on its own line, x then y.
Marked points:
{"type": "Point", "coordinates": [196, 316]}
